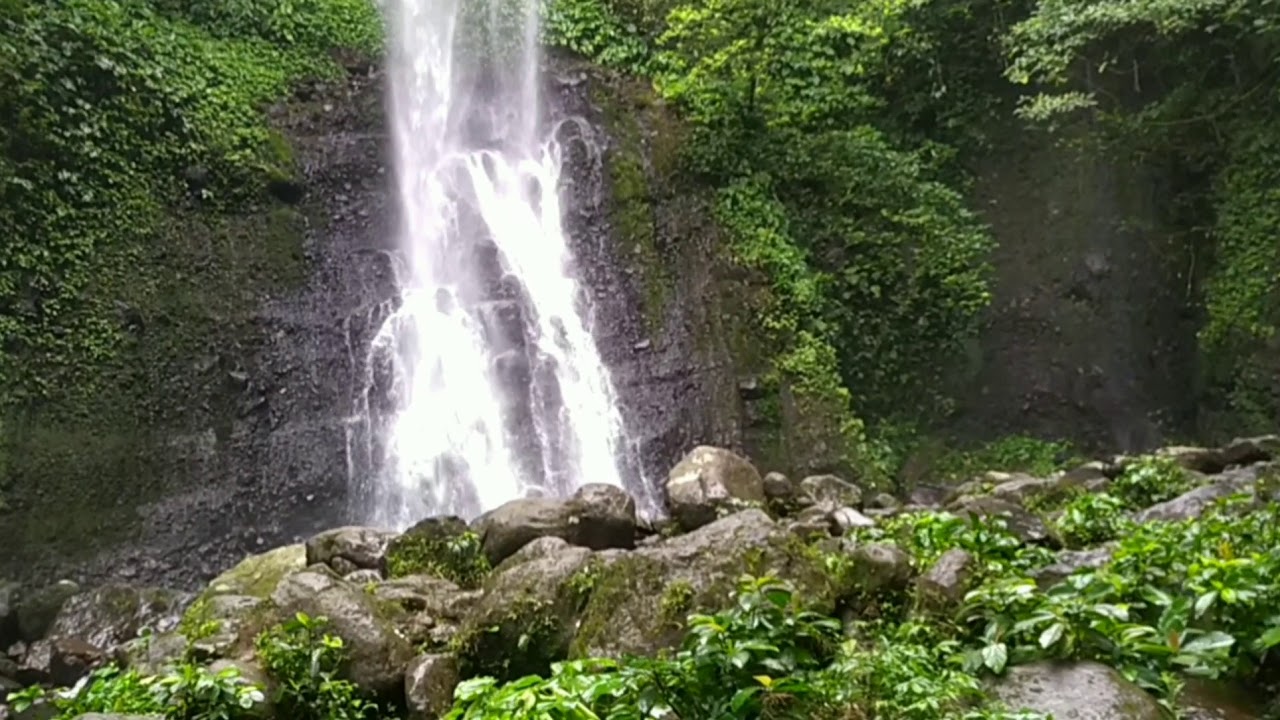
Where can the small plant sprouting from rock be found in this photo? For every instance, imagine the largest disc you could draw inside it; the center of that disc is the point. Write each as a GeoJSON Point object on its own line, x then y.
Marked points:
{"type": "Point", "coordinates": [458, 558]}
{"type": "Point", "coordinates": [676, 600]}
{"type": "Point", "coordinates": [306, 660]}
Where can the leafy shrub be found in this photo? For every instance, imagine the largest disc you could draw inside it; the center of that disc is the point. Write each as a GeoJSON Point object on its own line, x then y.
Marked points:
{"type": "Point", "coordinates": [927, 534]}
{"type": "Point", "coordinates": [1011, 453]}
{"type": "Point", "coordinates": [1092, 518]}
{"type": "Point", "coordinates": [457, 558]}
{"type": "Point", "coordinates": [1150, 480]}
{"type": "Point", "coordinates": [305, 661]}
{"type": "Point", "coordinates": [188, 692]}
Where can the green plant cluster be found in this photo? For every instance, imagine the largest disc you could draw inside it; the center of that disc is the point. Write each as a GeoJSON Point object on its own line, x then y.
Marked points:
{"type": "Point", "coordinates": [765, 657]}
{"type": "Point", "coordinates": [118, 112]}
{"type": "Point", "coordinates": [457, 558]}
{"type": "Point", "coordinates": [1011, 453]}
{"type": "Point", "coordinates": [300, 657]}
{"type": "Point", "coordinates": [1198, 597]}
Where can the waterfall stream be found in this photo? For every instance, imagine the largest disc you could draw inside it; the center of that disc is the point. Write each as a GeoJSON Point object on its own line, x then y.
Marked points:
{"type": "Point", "coordinates": [484, 382]}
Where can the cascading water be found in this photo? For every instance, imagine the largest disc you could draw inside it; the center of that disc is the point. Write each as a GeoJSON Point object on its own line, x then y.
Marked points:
{"type": "Point", "coordinates": [484, 381]}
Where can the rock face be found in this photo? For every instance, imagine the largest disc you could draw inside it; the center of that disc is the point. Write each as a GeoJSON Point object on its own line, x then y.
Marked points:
{"type": "Point", "coordinates": [1082, 690]}
{"type": "Point", "coordinates": [237, 440]}
{"type": "Point", "coordinates": [709, 480]}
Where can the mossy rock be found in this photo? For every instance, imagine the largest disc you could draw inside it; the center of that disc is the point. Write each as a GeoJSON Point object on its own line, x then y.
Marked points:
{"type": "Point", "coordinates": [438, 547]}
{"type": "Point", "coordinates": [529, 613]}
{"type": "Point", "coordinates": [258, 575]}
{"type": "Point", "coordinates": [641, 599]}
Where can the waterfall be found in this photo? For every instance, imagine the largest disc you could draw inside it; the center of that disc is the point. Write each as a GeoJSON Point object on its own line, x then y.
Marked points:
{"type": "Point", "coordinates": [484, 383]}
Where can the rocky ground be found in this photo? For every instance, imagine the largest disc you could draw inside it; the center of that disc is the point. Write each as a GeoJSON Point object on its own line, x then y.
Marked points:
{"type": "Point", "coordinates": [537, 581]}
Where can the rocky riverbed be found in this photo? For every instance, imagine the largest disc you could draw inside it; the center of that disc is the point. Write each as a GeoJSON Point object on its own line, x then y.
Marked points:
{"type": "Point", "coordinates": [537, 581]}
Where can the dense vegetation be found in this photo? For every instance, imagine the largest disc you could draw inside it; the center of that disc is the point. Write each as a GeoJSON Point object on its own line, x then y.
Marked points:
{"type": "Point", "coordinates": [121, 114]}
{"type": "Point", "coordinates": [1174, 600]}
{"type": "Point", "coordinates": [837, 135]}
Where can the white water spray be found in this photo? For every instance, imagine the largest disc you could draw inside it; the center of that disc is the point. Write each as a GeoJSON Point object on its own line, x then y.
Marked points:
{"type": "Point", "coordinates": [487, 380]}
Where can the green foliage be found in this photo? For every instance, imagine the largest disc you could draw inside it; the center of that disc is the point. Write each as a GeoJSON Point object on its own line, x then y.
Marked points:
{"type": "Point", "coordinates": [1090, 519]}
{"type": "Point", "coordinates": [927, 534]}
{"type": "Point", "coordinates": [457, 558]}
{"type": "Point", "coordinates": [1011, 453]}
{"type": "Point", "coordinates": [120, 110]}
{"type": "Point", "coordinates": [1198, 597]}
{"type": "Point", "coordinates": [762, 658]}
{"type": "Point", "coordinates": [305, 661]}
{"type": "Point", "coordinates": [1149, 480]}
{"type": "Point", "coordinates": [876, 268]}
{"type": "Point", "coordinates": [187, 692]}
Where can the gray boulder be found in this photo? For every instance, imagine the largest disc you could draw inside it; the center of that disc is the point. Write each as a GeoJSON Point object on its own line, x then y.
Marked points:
{"type": "Point", "coordinates": [1246, 451]}
{"type": "Point", "coordinates": [820, 489]}
{"type": "Point", "coordinates": [429, 684]}
{"type": "Point", "coordinates": [708, 482]}
{"type": "Point", "coordinates": [605, 517]}
{"type": "Point", "coordinates": [598, 516]}
{"type": "Point", "coordinates": [944, 585]}
{"type": "Point", "coordinates": [529, 612]}
{"type": "Point", "coordinates": [1192, 504]}
{"type": "Point", "coordinates": [779, 491]}
{"type": "Point", "coordinates": [114, 614]}
{"type": "Point", "coordinates": [37, 610]}
{"type": "Point", "coordinates": [1069, 562]}
{"type": "Point", "coordinates": [351, 548]}
{"type": "Point", "coordinates": [1078, 690]}
{"type": "Point", "coordinates": [258, 575]}
{"type": "Point", "coordinates": [376, 654]}
{"type": "Point", "coordinates": [846, 518]}
{"type": "Point", "coordinates": [1027, 526]}
{"type": "Point", "coordinates": [433, 608]}
{"type": "Point", "coordinates": [641, 599]}
{"type": "Point", "coordinates": [879, 568]}
{"type": "Point", "coordinates": [1202, 460]}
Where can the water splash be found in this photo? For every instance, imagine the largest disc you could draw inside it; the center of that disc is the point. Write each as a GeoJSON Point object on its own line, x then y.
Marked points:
{"type": "Point", "coordinates": [483, 384]}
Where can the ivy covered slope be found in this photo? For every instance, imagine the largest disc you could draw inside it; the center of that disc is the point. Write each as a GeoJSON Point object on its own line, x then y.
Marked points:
{"type": "Point", "coordinates": [147, 207]}
{"type": "Point", "coordinates": [1137, 588]}
{"type": "Point", "coordinates": [876, 268]}
{"type": "Point", "coordinates": [835, 138]}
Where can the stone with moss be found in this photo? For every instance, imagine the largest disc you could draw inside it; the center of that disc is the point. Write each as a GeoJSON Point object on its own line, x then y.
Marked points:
{"type": "Point", "coordinates": [529, 613]}
{"type": "Point", "coordinates": [641, 599]}
{"type": "Point", "coordinates": [112, 615]}
{"type": "Point", "coordinates": [441, 547]}
{"type": "Point", "coordinates": [258, 575]}
{"type": "Point", "coordinates": [376, 655]}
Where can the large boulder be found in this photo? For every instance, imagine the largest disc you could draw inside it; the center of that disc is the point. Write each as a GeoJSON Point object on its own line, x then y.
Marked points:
{"type": "Point", "coordinates": [945, 583]}
{"type": "Point", "coordinates": [1028, 527]}
{"type": "Point", "coordinates": [376, 655]}
{"type": "Point", "coordinates": [1198, 459]}
{"type": "Point", "coordinates": [225, 626]}
{"type": "Point", "coordinates": [429, 684]}
{"type": "Point", "coordinates": [258, 575]}
{"type": "Point", "coordinates": [829, 489]}
{"type": "Point", "coordinates": [351, 548]}
{"type": "Point", "coordinates": [59, 661]}
{"type": "Point", "coordinates": [433, 608]}
{"type": "Point", "coordinates": [1192, 504]}
{"type": "Point", "coordinates": [1069, 562]}
{"type": "Point", "coordinates": [605, 517]}
{"type": "Point", "coordinates": [710, 481]}
{"type": "Point", "coordinates": [1079, 690]}
{"type": "Point", "coordinates": [598, 517]}
{"type": "Point", "coordinates": [642, 598]}
{"type": "Point", "coordinates": [114, 614]}
{"type": "Point", "coordinates": [37, 610]}
{"type": "Point", "coordinates": [529, 612]}
{"type": "Point", "coordinates": [1246, 451]}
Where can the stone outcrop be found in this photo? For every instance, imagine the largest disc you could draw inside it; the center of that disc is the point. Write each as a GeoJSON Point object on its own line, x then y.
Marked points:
{"type": "Point", "coordinates": [1083, 690]}
{"type": "Point", "coordinates": [709, 481]}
